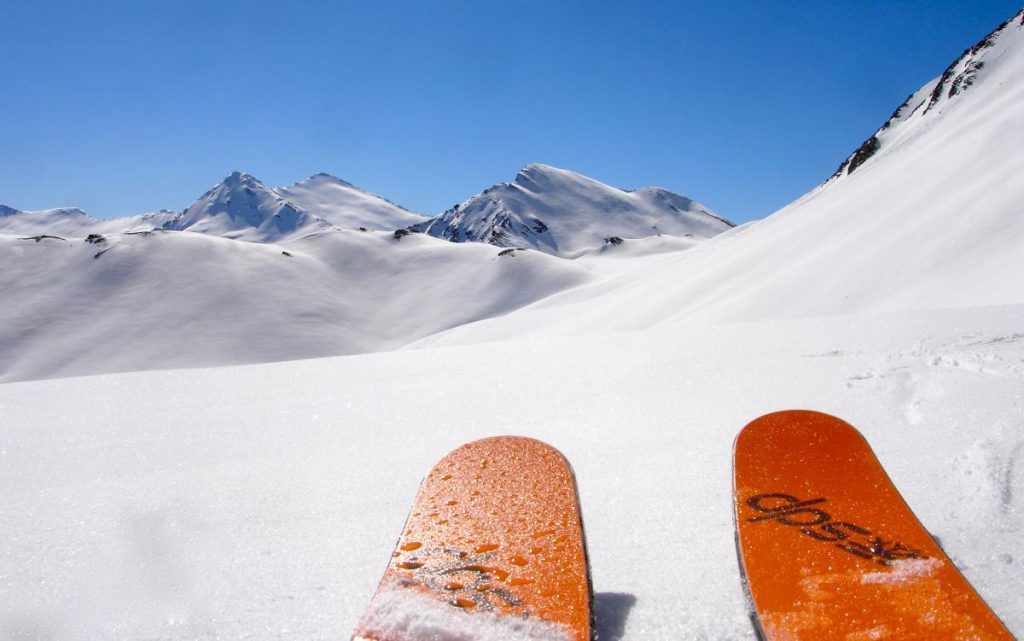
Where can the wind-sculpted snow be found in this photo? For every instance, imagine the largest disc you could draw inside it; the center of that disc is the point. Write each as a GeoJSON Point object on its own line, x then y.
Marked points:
{"type": "Point", "coordinates": [566, 214]}
{"type": "Point", "coordinates": [179, 299]}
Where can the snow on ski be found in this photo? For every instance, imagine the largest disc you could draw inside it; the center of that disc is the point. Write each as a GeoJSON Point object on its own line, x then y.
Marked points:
{"type": "Point", "coordinates": [493, 549]}
{"type": "Point", "coordinates": [829, 548]}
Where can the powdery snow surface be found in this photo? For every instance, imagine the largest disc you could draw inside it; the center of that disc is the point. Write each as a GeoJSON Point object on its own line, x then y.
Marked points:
{"type": "Point", "coordinates": [399, 613]}
{"type": "Point", "coordinates": [263, 501]}
{"type": "Point", "coordinates": [904, 571]}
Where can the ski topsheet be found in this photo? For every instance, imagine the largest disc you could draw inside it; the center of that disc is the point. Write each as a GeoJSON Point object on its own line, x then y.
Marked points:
{"type": "Point", "coordinates": [830, 550]}
{"type": "Point", "coordinates": [493, 549]}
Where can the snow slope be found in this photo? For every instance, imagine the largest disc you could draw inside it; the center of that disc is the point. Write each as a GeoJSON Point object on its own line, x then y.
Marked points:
{"type": "Point", "coordinates": [263, 501]}
{"type": "Point", "coordinates": [179, 299]}
{"type": "Point", "coordinates": [347, 206]}
{"type": "Point", "coordinates": [931, 221]}
{"type": "Point", "coordinates": [566, 214]}
{"type": "Point", "coordinates": [914, 116]}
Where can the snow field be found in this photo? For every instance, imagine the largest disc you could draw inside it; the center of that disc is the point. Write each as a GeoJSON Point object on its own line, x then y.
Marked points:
{"type": "Point", "coordinates": [264, 501]}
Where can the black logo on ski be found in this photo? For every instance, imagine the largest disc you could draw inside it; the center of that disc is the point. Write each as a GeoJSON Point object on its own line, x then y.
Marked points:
{"type": "Point", "coordinates": [819, 525]}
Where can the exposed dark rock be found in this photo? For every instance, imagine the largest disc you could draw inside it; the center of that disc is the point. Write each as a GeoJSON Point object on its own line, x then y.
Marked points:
{"type": "Point", "coordinates": [43, 237]}
{"type": "Point", "coordinates": [863, 153]}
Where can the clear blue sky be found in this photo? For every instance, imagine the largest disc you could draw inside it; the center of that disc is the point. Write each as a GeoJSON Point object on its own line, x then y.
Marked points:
{"type": "Point", "coordinates": [128, 107]}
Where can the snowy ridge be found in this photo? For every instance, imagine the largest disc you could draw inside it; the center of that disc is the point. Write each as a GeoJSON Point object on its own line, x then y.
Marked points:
{"type": "Point", "coordinates": [564, 213]}
{"type": "Point", "coordinates": [71, 222]}
{"type": "Point", "coordinates": [346, 206]}
{"type": "Point", "coordinates": [973, 65]}
{"type": "Point", "coordinates": [243, 208]}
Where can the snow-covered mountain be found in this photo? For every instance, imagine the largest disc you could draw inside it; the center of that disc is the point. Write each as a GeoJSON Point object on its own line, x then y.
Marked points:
{"type": "Point", "coordinates": [71, 222]}
{"type": "Point", "coordinates": [239, 207]}
{"type": "Point", "coordinates": [243, 208]}
{"type": "Point", "coordinates": [347, 206]}
{"type": "Point", "coordinates": [933, 220]}
{"type": "Point", "coordinates": [565, 213]}
{"type": "Point", "coordinates": [922, 107]}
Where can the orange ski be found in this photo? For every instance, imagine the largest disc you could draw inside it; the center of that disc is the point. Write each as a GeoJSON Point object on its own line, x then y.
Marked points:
{"type": "Point", "coordinates": [493, 549]}
{"type": "Point", "coordinates": [830, 550]}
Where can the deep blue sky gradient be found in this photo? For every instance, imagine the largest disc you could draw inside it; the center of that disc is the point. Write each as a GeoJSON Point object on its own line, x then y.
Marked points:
{"type": "Point", "coordinates": [127, 107]}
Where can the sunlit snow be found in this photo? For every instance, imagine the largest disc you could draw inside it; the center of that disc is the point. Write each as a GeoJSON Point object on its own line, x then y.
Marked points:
{"type": "Point", "coordinates": [263, 501]}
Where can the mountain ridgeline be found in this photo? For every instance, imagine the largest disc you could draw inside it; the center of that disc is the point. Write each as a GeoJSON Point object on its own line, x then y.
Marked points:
{"type": "Point", "coordinates": [564, 213]}
{"type": "Point", "coordinates": [552, 210]}
{"type": "Point", "coordinates": [925, 104]}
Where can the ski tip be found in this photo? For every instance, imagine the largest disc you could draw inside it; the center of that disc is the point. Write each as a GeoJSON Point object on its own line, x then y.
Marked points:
{"type": "Point", "coordinates": [795, 423]}
{"type": "Point", "coordinates": [828, 547]}
{"type": "Point", "coordinates": [493, 548]}
{"type": "Point", "coordinates": [522, 447]}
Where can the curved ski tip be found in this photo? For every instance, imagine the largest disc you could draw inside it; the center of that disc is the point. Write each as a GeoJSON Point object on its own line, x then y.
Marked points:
{"type": "Point", "coordinates": [511, 442]}
{"type": "Point", "coordinates": [795, 421]}
{"type": "Point", "coordinates": [507, 447]}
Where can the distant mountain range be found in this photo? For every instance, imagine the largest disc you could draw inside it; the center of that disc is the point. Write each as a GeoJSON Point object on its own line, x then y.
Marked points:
{"type": "Point", "coordinates": [564, 213]}
{"type": "Point", "coordinates": [552, 210]}
{"type": "Point", "coordinates": [928, 216]}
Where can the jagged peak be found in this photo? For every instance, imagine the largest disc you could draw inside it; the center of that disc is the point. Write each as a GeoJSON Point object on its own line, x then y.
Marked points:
{"type": "Point", "coordinates": [241, 179]}
{"type": "Point", "coordinates": [7, 211]}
